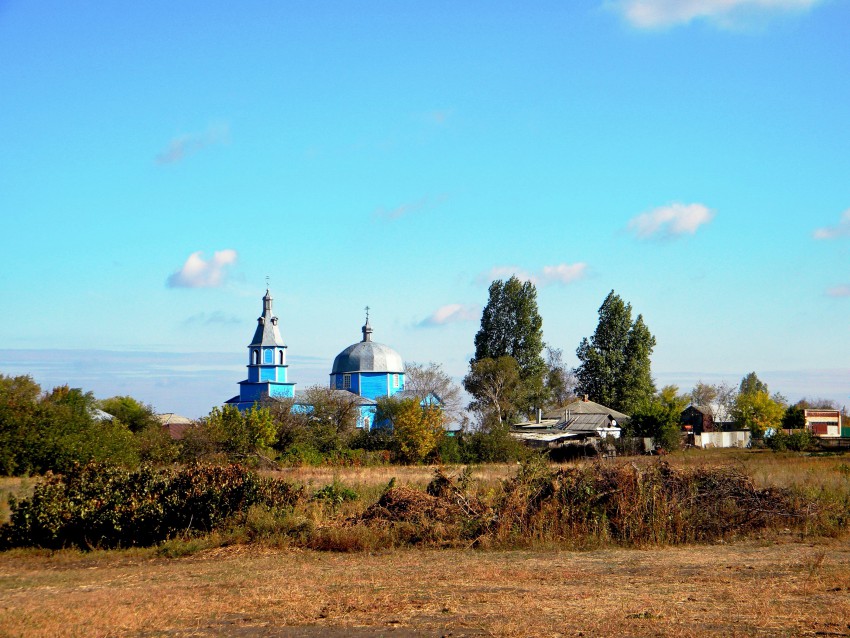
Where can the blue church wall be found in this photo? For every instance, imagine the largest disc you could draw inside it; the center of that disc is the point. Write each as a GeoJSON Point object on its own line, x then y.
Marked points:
{"type": "Point", "coordinates": [267, 374]}
{"type": "Point", "coordinates": [282, 391]}
{"type": "Point", "coordinates": [373, 384]}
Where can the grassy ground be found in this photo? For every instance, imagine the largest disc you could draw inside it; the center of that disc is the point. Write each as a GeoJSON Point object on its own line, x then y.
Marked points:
{"type": "Point", "coordinates": [782, 588]}
{"type": "Point", "coordinates": [777, 585]}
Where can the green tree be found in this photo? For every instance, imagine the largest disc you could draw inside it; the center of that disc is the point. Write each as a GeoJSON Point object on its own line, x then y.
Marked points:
{"type": "Point", "coordinates": [496, 386]}
{"type": "Point", "coordinates": [614, 367]}
{"type": "Point", "coordinates": [132, 413]}
{"type": "Point", "coordinates": [67, 433]}
{"type": "Point", "coordinates": [794, 417]}
{"type": "Point", "coordinates": [331, 419]}
{"type": "Point", "coordinates": [704, 394]}
{"type": "Point", "coordinates": [757, 411]}
{"type": "Point", "coordinates": [511, 326]}
{"type": "Point", "coordinates": [751, 384]}
{"type": "Point", "coordinates": [241, 434]}
{"type": "Point", "coordinates": [659, 417]}
{"type": "Point", "coordinates": [417, 429]}
{"type": "Point", "coordinates": [559, 381]}
{"type": "Point", "coordinates": [19, 408]}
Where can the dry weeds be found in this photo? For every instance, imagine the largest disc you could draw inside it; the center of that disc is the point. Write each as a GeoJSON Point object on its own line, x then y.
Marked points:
{"type": "Point", "coordinates": [780, 589]}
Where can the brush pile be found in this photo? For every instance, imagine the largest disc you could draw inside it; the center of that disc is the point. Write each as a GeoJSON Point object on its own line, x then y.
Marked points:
{"type": "Point", "coordinates": [590, 505]}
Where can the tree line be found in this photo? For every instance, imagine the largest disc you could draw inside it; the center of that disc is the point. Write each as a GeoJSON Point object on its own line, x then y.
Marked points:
{"type": "Point", "coordinates": [510, 379]}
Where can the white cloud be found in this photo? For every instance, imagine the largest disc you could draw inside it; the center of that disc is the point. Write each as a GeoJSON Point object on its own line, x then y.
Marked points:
{"type": "Point", "coordinates": [563, 273]}
{"type": "Point", "coordinates": [558, 274]}
{"type": "Point", "coordinates": [671, 221]}
{"type": "Point", "coordinates": [408, 208]}
{"type": "Point", "coordinates": [838, 291]}
{"type": "Point", "coordinates": [198, 273]}
{"type": "Point", "coordinates": [841, 229]}
{"type": "Point", "coordinates": [190, 143]}
{"type": "Point", "coordinates": [651, 14]}
{"type": "Point", "coordinates": [452, 313]}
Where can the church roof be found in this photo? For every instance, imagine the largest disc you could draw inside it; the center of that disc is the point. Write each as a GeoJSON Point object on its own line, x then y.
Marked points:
{"type": "Point", "coordinates": [267, 332]}
{"type": "Point", "coordinates": [368, 356]}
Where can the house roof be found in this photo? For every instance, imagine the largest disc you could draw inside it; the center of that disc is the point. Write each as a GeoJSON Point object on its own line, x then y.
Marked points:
{"type": "Point", "coordinates": [175, 424]}
{"type": "Point", "coordinates": [702, 409]}
{"type": "Point", "coordinates": [170, 418]}
{"type": "Point", "coordinates": [586, 423]}
{"type": "Point", "coordinates": [584, 407]}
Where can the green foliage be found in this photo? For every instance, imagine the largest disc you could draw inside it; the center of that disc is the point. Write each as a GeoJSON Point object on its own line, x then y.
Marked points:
{"type": "Point", "coordinates": [332, 422]}
{"type": "Point", "coordinates": [492, 443]}
{"type": "Point", "coordinates": [233, 433]}
{"type": "Point", "coordinates": [417, 429]}
{"type": "Point", "coordinates": [614, 367]}
{"type": "Point", "coordinates": [335, 494]}
{"type": "Point", "coordinates": [757, 412]}
{"type": "Point", "coordinates": [135, 415]}
{"type": "Point", "coordinates": [794, 417]}
{"type": "Point", "coordinates": [559, 382]}
{"type": "Point", "coordinates": [99, 505]}
{"type": "Point", "coordinates": [54, 431]}
{"type": "Point", "coordinates": [511, 326]}
{"type": "Point", "coordinates": [449, 449]}
{"type": "Point", "coordinates": [19, 411]}
{"type": "Point", "coordinates": [659, 418]}
{"type": "Point", "coordinates": [156, 446]}
{"type": "Point", "coordinates": [751, 384]}
{"type": "Point", "coordinates": [798, 441]}
{"type": "Point", "coordinates": [497, 387]}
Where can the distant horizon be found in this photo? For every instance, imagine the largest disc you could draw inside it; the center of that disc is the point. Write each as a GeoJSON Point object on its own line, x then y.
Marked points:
{"type": "Point", "coordinates": [184, 382]}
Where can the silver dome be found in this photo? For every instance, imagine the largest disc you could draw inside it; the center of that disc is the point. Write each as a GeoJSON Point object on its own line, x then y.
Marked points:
{"type": "Point", "coordinates": [368, 356]}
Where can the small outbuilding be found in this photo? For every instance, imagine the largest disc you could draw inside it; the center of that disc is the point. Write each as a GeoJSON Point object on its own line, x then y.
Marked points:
{"type": "Point", "coordinates": [697, 419]}
{"type": "Point", "coordinates": [175, 424]}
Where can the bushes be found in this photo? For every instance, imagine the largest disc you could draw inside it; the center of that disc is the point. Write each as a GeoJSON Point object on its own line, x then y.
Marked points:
{"type": "Point", "coordinates": [581, 506]}
{"type": "Point", "coordinates": [797, 441]}
{"type": "Point", "coordinates": [103, 506]}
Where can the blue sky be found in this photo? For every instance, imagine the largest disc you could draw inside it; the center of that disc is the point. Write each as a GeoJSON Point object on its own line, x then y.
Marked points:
{"type": "Point", "coordinates": [158, 160]}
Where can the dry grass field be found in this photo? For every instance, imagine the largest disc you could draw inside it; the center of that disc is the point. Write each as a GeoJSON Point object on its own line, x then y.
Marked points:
{"type": "Point", "coordinates": [778, 584]}
{"type": "Point", "coordinates": [781, 588]}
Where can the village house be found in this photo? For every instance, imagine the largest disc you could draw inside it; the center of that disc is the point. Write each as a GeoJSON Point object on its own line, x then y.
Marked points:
{"type": "Point", "coordinates": [581, 424]}
{"type": "Point", "coordinates": [824, 423]}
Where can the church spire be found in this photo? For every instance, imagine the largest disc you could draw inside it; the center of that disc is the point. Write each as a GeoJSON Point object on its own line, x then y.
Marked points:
{"type": "Point", "coordinates": [367, 328]}
{"type": "Point", "coordinates": [267, 332]}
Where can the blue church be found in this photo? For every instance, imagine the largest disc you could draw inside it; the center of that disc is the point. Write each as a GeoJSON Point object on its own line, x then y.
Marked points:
{"type": "Point", "coordinates": [366, 369]}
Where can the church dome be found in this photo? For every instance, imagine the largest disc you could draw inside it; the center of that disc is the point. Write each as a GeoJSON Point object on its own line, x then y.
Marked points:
{"type": "Point", "coordinates": [368, 356]}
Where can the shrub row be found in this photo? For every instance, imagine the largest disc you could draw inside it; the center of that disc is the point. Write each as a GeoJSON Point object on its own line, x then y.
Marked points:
{"type": "Point", "coordinates": [98, 505]}
{"type": "Point", "coordinates": [579, 506]}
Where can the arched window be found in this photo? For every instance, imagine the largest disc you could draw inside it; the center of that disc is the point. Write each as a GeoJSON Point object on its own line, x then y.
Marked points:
{"type": "Point", "coordinates": [280, 357]}
{"type": "Point", "coordinates": [255, 357]}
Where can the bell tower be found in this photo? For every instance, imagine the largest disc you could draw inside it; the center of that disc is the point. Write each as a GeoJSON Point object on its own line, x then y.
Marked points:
{"type": "Point", "coordinates": [267, 368]}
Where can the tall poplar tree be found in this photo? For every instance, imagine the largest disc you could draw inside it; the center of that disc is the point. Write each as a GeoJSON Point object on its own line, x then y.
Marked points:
{"type": "Point", "coordinates": [511, 326]}
{"type": "Point", "coordinates": [614, 367]}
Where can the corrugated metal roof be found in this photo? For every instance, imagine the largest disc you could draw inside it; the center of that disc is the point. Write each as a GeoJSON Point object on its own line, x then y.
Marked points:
{"type": "Point", "coordinates": [584, 407]}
